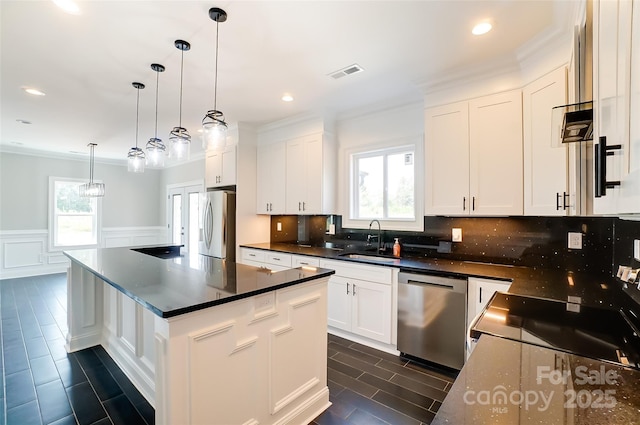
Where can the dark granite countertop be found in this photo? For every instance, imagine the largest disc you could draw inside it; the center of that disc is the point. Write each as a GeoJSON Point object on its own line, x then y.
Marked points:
{"type": "Point", "coordinates": [508, 382]}
{"type": "Point", "coordinates": [182, 284]}
{"type": "Point", "coordinates": [593, 289]}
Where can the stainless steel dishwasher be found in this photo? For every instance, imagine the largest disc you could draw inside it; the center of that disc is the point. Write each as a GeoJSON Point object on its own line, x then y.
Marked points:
{"type": "Point", "coordinates": [432, 319]}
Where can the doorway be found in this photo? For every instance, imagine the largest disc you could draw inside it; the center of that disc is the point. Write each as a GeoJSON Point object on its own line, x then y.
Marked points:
{"type": "Point", "coordinates": [183, 222]}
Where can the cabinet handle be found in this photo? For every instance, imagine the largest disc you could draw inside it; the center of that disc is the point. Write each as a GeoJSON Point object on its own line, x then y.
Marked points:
{"type": "Point", "coordinates": [480, 295]}
{"type": "Point", "coordinates": [299, 206]}
{"type": "Point", "coordinates": [354, 289]}
{"type": "Point", "coordinates": [600, 167]}
{"type": "Point", "coordinates": [252, 255]}
{"type": "Point", "coordinates": [464, 203]}
{"type": "Point", "coordinates": [270, 206]}
{"type": "Point", "coordinates": [304, 206]}
{"type": "Point", "coordinates": [275, 258]}
{"type": "Point", "coordinates": [267, 207]}
{"type": "Point", "coordinates": [304, 263]}
{"type": "Point", "coordinates": [347, 288]}
{"type": "Point", "coordinates": [473, 203]}
{"type": "Point", "coordinates": [565, 200]}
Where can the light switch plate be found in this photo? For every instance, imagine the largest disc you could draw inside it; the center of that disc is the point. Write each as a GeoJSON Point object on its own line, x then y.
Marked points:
{"type": "Point", "coordinates": [636, 249]}
{"type": "Point", "coordinates": [456, 234]}
{"type": "Point", "coordinates": [574, 240]}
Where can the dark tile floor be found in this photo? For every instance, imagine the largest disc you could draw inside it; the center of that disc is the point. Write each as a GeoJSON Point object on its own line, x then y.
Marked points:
{"type": "Point", "coordinates": [42, 384]}
{"type": "Point", "coordinates": [367, 386]}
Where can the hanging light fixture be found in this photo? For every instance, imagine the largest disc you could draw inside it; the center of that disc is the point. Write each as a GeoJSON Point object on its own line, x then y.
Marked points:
{"type": "Point", "coordinates": [180, 139]}
{"type": "Point", "coordinates": [213, 125]}
{"type": "Point", "coordinates": [136, 158]}
{"type": "Point", "coordinates": [155, 147]}
{"type": "Point", "coordinates": [91, 189]}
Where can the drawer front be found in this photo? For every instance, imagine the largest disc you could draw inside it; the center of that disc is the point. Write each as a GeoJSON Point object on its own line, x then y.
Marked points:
{"type": "Point", "coordinates": [358, 271]}
{"type": "Point", "coordinates": [278, 259]}
{"type": "Point", "coordinates": [303, 260]}
{"type": "Point", "coordinates": [253, 255]}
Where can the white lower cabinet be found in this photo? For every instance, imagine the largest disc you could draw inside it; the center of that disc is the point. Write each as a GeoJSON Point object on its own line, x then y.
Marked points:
{"type": "Point", "coordinates": [275, 261]}
{"type": "Point", "coordinates": [362, 307]}
{"type": "Point", "coordinates": [479, 292]}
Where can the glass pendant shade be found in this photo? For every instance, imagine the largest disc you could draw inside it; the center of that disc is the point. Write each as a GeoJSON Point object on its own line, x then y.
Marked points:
{"type": "Point", "coordinates": [91, 189]}
{"type": "Point", "coordinates": [179, 143]}
{"type": "Point", "coordinates": [135, 160]}
{"type": "Point", "coordinates": [156, 152]}
{"type": "Point", "coordinates": [214, 128]}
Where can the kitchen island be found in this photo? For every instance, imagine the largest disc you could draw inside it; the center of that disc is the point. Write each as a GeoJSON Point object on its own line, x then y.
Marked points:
{"type": "Point", "coordinates": [203, 339]}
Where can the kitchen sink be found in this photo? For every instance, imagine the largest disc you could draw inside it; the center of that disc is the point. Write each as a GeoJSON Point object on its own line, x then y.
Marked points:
{"type": "Point", "coordinates": [367, 257]}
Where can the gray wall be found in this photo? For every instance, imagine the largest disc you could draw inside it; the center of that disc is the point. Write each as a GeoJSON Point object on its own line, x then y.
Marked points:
{"type": "Point", "coordinates": [130, 199]}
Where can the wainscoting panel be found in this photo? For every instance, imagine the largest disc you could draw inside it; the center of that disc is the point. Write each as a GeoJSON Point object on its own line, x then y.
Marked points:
{"type": "Point", "coordinates": [26, 252]}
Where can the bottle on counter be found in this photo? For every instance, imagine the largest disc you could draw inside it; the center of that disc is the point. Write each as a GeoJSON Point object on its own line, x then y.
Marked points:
{"type": "Point", "coordinates": [396, 248]}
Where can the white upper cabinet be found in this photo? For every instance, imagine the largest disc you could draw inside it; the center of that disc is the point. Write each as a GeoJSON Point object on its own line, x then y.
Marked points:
{"type": "Point", "coordinates": [447, 159]}
{"type": "Point", "coordinates": [495, 140]}
{"type": "Point", "coordinates": [307, 176]}
{"type": "Point", "coordinates": [611, 71]}
{"type": "Point", "coordinates": [271, 173]}
{"type": "Point", "coordinates": [474, 156]}
{"type": "Point", "coordinates": [220, 167]}
{"type": "Point", "coordinates": [629, 197]}
{"type": "Point", "coordinates": [545, 166]}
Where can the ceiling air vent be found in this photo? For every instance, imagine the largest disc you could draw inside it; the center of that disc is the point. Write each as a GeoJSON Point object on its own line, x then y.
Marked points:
{"type": "Point", "coordinates": [351, 69]}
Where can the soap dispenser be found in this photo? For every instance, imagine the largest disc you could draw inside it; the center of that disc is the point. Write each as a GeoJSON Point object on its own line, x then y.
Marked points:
{"type": "Point", "coordinates": [396, 248]}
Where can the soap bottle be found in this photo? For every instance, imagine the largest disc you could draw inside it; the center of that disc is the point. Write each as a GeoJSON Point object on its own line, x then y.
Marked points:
{"type": "Point", "coordinates": [396, 248]}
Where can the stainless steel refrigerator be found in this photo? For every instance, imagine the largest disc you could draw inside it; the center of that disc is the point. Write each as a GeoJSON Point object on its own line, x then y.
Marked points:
{"type": "Point", "coordinates": [218, 224]}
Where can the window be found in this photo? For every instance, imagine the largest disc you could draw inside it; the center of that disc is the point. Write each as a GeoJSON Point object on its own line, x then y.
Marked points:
{"type": "Point", "coordinates": [74, 221]}
{"type": "Point", "coordinates": [385, 184]}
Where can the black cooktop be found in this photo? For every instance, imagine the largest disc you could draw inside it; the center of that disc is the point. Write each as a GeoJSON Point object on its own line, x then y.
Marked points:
{"type": "Point", "coordinates": [602, 334]}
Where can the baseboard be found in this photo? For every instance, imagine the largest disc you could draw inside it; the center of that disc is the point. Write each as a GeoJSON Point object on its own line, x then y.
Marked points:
{"type": "Point", "coordinates": [387, 348]}
{"type": "Point", "coordinates": [308, 411]}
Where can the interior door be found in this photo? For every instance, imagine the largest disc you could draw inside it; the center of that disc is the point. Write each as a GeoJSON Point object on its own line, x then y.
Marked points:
{"type": "Point", "coordinates": [183, 215]}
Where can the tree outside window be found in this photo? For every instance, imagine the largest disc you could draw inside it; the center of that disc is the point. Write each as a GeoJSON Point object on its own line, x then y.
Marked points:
{"type": "Point", "coordinates": [74, 218]}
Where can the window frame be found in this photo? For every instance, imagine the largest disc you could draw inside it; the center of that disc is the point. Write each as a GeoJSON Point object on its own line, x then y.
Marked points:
{"type": "Point", "coordinates": [350, 194]}
{"type": "Point", "coordinates": [52, 229]}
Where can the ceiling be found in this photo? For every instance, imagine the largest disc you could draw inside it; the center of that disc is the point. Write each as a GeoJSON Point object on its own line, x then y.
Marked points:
{"type": "Point", "coordinates": [86, 63]}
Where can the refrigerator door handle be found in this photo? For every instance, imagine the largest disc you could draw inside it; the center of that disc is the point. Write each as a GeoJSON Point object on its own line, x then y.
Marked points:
{"type": "Point", "coordinates": [208, 227]}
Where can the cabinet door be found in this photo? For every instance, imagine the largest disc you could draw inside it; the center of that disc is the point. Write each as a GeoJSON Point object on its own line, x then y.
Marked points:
{"type": "Point", "coordinates": [480, 292]}
{"type": "Point", "coordinates": [213, 168]}
{"type": "Point", "coordinates": [495, 140]}
{"type": "Point", "coordinates": [629, 197]}
{"type": "Point", "coordinates": [339, 300]}
{"type": "Point", "coordinates": [612, 44]}
{"type": "Point", "coordinates": [271, 175]}
{"type": "Point", "coordinates": [447, 159]}
{"type": "Point", "coordinates": [312, 201]}
{"type": "Point", "coordinates": [228, 167]}
{"type": "Point", "coordinates": [371, 310]}
{"type": "Point", "coordinates": [545, 166]}
{"type": "Point", "coordinates": [296, 181]}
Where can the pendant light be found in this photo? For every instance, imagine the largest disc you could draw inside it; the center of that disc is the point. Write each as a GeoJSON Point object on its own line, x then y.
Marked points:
{"type": "Point", "coordinates": [91, 189]}
{"type": "Point", "coordinates": [155, 147]}
{"type": "Point", "coordinates": [136, 157]}
{"type": "Point", "coordinates": [180, 139]}
{"type": "Point", "coordinates": [213, 125]}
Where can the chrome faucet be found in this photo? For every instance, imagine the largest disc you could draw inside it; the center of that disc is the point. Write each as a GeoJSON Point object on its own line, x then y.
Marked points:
{"type": "Point", "coordinates": [379, 237]}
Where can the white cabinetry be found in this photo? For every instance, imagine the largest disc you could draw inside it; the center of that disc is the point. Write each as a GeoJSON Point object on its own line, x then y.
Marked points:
{"type": "Point", "coordinates": [480, 291]}
{"type": "Point", "coordinates": [273, 260]}
{"type": "Point", "coordinates": [474, 156]}
{"type": "Point", "coordinates": [220, 167]}
{"type": "Point", "coordinates": [361, 307]}
{"type": "Point", "coordinates": [310, 176]}
{"type": "Point", "coordinates": [297, 176]}
{"type": "Point", "coordinates": [271, 173]}
{"type": "Point", "coordinates": [545, 166]}
{"type": "Point", "coordinates": [612, 73]}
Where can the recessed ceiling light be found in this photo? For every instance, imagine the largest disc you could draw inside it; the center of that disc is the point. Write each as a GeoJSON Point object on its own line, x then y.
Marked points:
{"type": "Point", "coordinates": [68, 6]}
{"type": "Point", "coordinates": [287, 98]}
{"type": "Point", "coordinates": [33, 91]}
{"type": "Point", "coordinates": [23, 121]}
{"type": "Point", "coordinates": [481, 28]}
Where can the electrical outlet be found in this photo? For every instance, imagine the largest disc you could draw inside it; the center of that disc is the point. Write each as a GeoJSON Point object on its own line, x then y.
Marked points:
{"type": "Point", "coordinates": [574, 240]}
{"type": "Point", "coordinates": [636, 249]}
{"type": "Point", "coordinates": [456, 234]}
{"type": "Point", "coordinates": [279, 226]}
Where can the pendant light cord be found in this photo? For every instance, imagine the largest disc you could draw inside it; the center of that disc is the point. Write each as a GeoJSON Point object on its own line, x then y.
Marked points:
{"type": "Point", "coordinates": [215, 87]}
{"type": "Point", "coordinates": [181, 72]}
{"type": "Point", "coordinates": [157, 85]}
{"type": "Point", "coordinates": [91, 145]}
{"type": "Point", "coordinates": [137, 114]}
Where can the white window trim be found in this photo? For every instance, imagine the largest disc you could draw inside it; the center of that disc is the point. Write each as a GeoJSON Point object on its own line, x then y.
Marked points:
{"type": "Point", "coordinates": [417, 224]}
{"type": "Point", "coordinates": [51, 217]}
